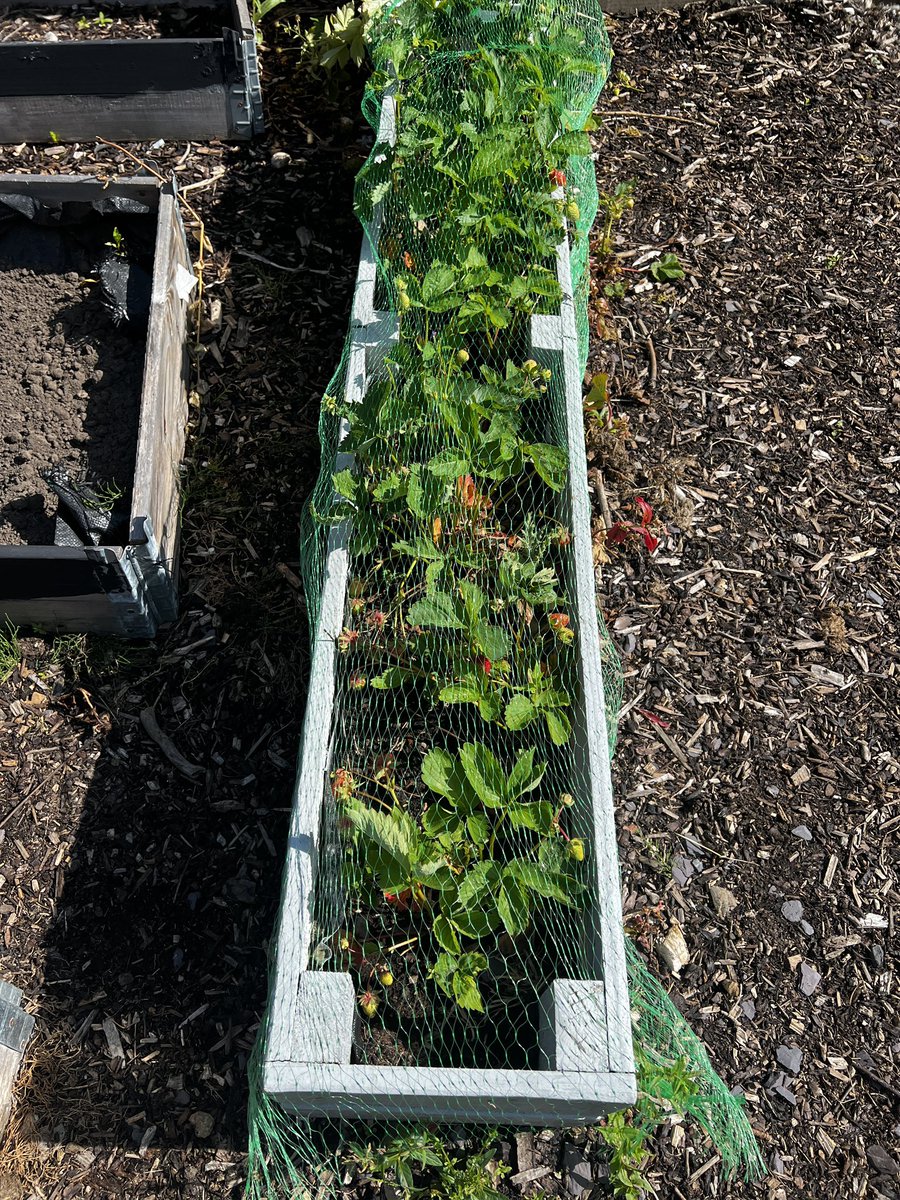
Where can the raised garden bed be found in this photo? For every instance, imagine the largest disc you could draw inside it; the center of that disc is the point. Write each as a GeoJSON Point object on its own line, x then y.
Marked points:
{"type": "Point", "coordinates": [131, 72]}
{"type": "Point", "coordinates": [547, 1040]}
{"type": "Point", "coordinates": [94, 288]}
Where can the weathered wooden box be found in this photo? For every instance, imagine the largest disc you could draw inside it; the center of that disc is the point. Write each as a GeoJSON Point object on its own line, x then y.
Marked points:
{"type": "Point", "coordinates": [130, 589]}
{"type": "Point", "coordinates": [585, 1056]}
{"type": "Point", "coordinates": [135, 89]}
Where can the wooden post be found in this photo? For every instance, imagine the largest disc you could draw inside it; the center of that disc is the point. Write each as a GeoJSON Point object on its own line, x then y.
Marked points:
{"type": "Point", "coordinates": [15, 1029]}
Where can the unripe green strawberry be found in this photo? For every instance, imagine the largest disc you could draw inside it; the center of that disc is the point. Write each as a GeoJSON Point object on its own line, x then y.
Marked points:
{"type": "Point", "coordinates": [368, 1003]}
{"type": "Point", "coordinates": [462, 356]}
{"type": "Point", "coordinates": [404, 301]}
{"type": "Point", "coordinates": [573, 212]}
{"type": "Point", "coordinates": [576, 849]}
{"type": "Point", "coordinates": [386, 978]}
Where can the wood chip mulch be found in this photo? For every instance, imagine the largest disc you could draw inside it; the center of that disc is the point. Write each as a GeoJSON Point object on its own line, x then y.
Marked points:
{"type": "Point", "coordinates": [757, 768]}
{"type": "Point", "coordinates": [758, 749]}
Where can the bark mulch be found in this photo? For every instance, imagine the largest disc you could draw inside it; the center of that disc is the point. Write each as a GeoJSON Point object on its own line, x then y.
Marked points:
{"type": "Point", "coordinates": [758, 746]}
{"type": "Point", "coordinates": [759, 750]}
{"type": "Point", "coordinates": [137, 898]}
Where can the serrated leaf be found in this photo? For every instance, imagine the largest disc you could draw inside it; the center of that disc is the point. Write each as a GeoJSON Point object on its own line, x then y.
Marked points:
{"type": "Point", "coordinates": [391, 678]}
{"type": "Point", "coordinates": [466, 992]}
{"type": "Point", "coordinates": [558, 726]}
{"type": "Point", "coordinates": [537, 816]}
{"type": "Point", "coordinates": [492, 640]}
{"type": "Point", "coordinates": [459, 693]}
{"type": "Point", "coordinates": [478, 881]}
{"type": "Point", "coordinates": [379, 191]}
{"type": "Point", "coordinates": [513, 905]}
{"type": "Point", "coordinates": [484, 773]}
{"type": "Point", "coordinates": [449, 464]}
{"type": "Point", "coordinates": [544, 883]}
{"type": "Point", "coordinates": [439, 280]}
{"type": "Point", "coordinates": [550, 462]}
{"type": "Point", "coordinates": [519, 712]}
{"type": "Point", "coordinates": [420, 548]}
{"type": "Point", "coordinates": [439, 772]}
{"type": "Point", "coordinates": [345, 484]}
{"type": "Point", "coordinates": [525, 775]}
{"type": "Point", "coordinates": [439, 610]}
{"type": "Point", "coordinates": [445, 935]}
{"type": "Point", "coordinates": [478, 828]}
{"type": "Point", "coordinates": [572, 143]}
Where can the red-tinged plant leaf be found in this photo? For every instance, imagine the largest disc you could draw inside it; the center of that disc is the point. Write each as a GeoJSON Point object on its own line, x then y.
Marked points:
{"type": "Point", "coordinates": [645, 510]}
{"type": "Point", "coordinates": [558, 177]}
{"type": "Point", "coordinates": [649, 540]}
{"type": "Point", "coordinates": [645, 712]}
{"type": "Point", "coordinates": [468, 493]}
{"type": "Point", "coordinates": [617, 534]}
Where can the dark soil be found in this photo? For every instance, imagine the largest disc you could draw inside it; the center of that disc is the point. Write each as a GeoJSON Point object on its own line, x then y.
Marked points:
{"type": "Point", "coordinates": [70, 379]}
{"type": "Point", "coordinates": [90, 24]}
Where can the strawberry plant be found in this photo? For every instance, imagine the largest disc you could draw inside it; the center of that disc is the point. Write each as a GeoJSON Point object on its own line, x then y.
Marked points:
{"type": "Point", "coordinates": [453, 491]}
{"type": "Point", "coordinates": [464, 864]}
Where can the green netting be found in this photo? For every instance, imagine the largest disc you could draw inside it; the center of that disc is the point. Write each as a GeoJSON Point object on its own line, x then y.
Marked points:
{"type": "Point", "coordinates": [455, 849]}
{"type": "Point", "coordinates": [455, 774]}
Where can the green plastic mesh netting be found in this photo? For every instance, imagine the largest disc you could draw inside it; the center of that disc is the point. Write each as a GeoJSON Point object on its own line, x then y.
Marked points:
{"type": "Point", "coordinates": [450, 878]}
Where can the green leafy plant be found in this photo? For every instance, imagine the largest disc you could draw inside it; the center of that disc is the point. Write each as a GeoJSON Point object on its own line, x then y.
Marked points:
{"type": "Point", "coordinates": [10, 651]}
{"type": "Point", "coordinates": [667, 268]}
{"type": "Point", "coordinates": [461, 863]}
{"type": "Point", "coordinates": [612, 208]}
{"type": "Point", "coordinates": [394, 1163]}
{"type": "Point", "coordinates": [419, 1164]}
{"type": "Point", "coordinates": [665, 1089]}
{"type": "Point", "coordinates": [336, 39]}
{"type": "Point", "coordinates": [117, 243]}
{"type": "Point", "coordinates": [459, 595]}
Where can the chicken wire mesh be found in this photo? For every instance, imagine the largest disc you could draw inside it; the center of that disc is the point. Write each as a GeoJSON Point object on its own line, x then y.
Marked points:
{"type": "Point", "coordinates": [454, 876]}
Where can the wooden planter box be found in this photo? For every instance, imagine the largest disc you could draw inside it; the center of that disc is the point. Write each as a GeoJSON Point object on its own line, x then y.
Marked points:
{"type": "Point", "coordinates": [585, 1042]}
{"type": "Point", "coordinates": [133, 90]}
{"type": "Point", "coordinates": [125, 590]}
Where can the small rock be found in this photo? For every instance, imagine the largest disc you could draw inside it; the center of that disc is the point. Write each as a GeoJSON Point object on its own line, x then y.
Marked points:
{"type": "Point", "coordinates": [881, 1162]}
{"type": "Point", "coordinates": [280, 160]}
{"type": "Point", "coordinates": [672, 950]}
{"type": "Point", "coordinates": [748, 1008]}
{"type": "Point", "coordinates": [51, 36]}
{"type": "Point", "coordinates": [877, 953]}
{"type": "Point", "coordinates": [202, 1123]}
{"type": "Point", "coordinates": [785, 1094]}
{"type": "Point", "coordinates": [682, 870]}
{"type": "Point", "coordinates": [803, 833]}
{"type": "Point", "coordinates": [792, 910]}
{"type": "Point", "coordinates": [806, 928]}
{"type": "Point", "coordinates": [723, 901]}
{"type": "Point", "coordinates": [809, 979]}
{"type": "Point", "coordinates": [790, 1057]}
{"type": "Point", "coordinates": [579, 1177]}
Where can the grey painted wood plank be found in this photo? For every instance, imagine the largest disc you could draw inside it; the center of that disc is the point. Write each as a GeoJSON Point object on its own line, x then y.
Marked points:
{"type": "Point", "coordinates": [546, 1098]}
{"type": "Point", "coordinates": [610, 962]}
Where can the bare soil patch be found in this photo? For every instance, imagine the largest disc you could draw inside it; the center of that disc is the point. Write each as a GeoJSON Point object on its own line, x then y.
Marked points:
{"type": "Point", "coordinates": [70, 378]}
